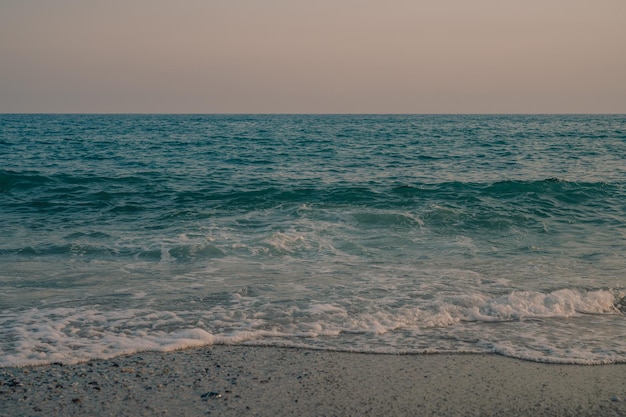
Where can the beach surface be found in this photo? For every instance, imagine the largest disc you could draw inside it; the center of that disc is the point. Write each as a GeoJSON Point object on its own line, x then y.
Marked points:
{"type": "Point", "coordinates": [268, 381]}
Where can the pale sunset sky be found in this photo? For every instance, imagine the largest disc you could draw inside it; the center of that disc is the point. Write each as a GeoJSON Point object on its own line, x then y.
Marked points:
{"type": "Point", "coordinates": [322, 56]}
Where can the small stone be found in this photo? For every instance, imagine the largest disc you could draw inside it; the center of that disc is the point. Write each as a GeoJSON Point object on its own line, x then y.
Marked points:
{"type": "Point", "coordinates": [211, 394]}
{"type": "Point", "coordinates": [14, 383]}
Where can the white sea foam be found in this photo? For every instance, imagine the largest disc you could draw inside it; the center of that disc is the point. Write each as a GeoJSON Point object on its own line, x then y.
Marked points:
{"type": "Point", "coordinates": [447, 324]}
{"type": "Point", "coordinates": [286, 242]}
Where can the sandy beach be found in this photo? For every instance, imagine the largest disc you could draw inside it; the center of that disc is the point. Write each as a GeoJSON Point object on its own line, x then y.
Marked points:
{"type": "Point", "coordinates": [264, 381]}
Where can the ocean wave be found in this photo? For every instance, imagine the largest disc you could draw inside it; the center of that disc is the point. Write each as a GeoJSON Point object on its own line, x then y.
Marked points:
{"type": "Point", "coordinates": [69, 335]}
{"type": "Point", "coordinates": [11, 180]}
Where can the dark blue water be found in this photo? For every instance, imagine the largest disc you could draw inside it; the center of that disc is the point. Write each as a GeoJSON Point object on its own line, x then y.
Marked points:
{"type": "Point", "coordinates": [502, 234]}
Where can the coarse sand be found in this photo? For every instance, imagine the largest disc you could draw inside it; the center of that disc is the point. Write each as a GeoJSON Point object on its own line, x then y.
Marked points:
{"type": "Point", "coordinates": [270, 381]}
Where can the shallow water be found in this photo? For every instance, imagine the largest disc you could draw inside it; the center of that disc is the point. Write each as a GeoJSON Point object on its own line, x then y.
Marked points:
{"type": "Point", "coordinates": [395, 234]}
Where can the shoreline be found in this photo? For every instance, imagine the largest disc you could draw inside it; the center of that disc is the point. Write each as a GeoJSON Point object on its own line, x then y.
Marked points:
{"type": "Point", "coordinates": [274, 381]}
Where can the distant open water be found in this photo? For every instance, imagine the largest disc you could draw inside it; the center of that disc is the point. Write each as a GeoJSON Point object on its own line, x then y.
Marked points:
{"type": "Point", "coordinates": [400, 234]}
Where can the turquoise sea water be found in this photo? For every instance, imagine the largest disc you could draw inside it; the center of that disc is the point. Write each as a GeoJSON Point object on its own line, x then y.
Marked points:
{"type": "Point", "coordinates": [400, 234]}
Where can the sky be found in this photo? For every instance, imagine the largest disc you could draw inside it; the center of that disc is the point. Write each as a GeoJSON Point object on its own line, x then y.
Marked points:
{"type": "Point", "coordinates": [322, 56]}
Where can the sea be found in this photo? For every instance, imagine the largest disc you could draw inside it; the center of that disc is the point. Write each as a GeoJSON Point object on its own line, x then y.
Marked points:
{"type": "Point", "coordinates": [396, 234]}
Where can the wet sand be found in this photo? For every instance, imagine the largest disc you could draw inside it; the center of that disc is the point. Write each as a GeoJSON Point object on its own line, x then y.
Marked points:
{"type": "Point", "coordinates": [262, 381]}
